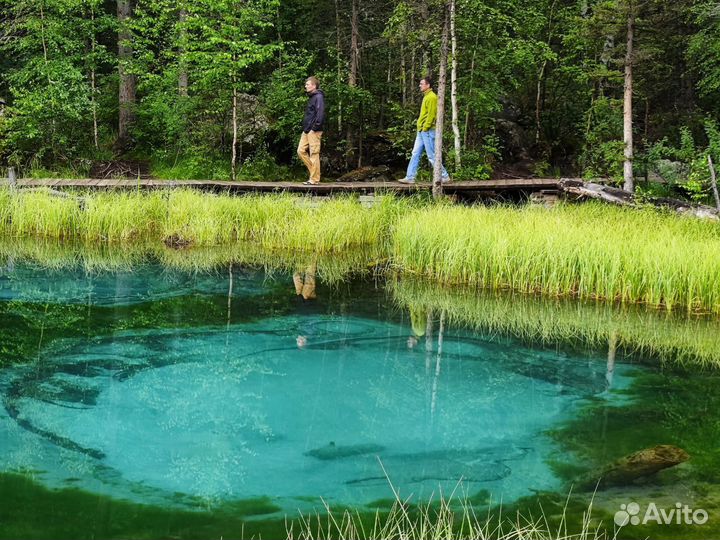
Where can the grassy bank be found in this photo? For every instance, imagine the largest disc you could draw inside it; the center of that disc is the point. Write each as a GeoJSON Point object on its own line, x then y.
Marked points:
{"type": "Point", "coordinates": [189, 217]}
{"type": "Point", "coordinates": [589, 251]}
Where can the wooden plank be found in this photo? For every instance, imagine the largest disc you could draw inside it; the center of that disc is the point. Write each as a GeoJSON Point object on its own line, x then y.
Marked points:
{"type": "Point", "coordinates": [499, 185]}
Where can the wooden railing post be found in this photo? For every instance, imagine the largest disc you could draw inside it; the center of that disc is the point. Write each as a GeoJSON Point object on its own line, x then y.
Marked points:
{"type": "Point", "coordinates": [12, 177]}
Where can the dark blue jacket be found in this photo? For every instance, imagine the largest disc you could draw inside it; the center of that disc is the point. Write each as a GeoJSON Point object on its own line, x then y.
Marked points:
{"type": "Point", "coordinates": [314, 112]}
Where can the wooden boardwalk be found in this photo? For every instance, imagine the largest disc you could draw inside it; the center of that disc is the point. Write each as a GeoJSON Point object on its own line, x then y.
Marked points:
{"type": "Point", "coordinates": [470, 188]}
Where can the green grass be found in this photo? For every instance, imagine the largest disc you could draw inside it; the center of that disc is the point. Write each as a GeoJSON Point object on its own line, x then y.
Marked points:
{"type": "Point", "coordinates": [189, 217]}
{"type": "Point", "coordinates": [588, 251]}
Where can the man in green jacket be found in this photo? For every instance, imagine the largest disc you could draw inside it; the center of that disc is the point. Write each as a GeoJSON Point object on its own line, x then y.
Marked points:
{"type": "Point", "coordinates": [425, 139]}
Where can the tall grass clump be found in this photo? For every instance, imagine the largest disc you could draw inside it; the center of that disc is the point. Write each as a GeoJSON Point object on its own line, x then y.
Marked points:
{"type": "Point", "coordinates": [589, 251]}
{"type": "Point", "coordinates": [39, 213]}
{"type": "Point", "coordinates": [280, 221]}
{"type": "Point", "coordinates": [187, 217]}
{"type": "Point", "coordinates": [5, 209]}
{"type": "Point", "coordinates": [123, 216]}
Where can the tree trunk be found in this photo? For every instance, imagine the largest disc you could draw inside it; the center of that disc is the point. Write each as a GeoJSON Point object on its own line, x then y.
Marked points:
{"type": "Point", "coordinates": [541, 78]}
{"type": "Point", "coordinates": [412, 82]}
{"type": "Point", "coordinates": [183, 75]}
{"type": "Point", "coordinates": [126, 93]}
{"type": "Point", "coordinates": [338, 62]}
{"type": "Point", "coordinates": [628, 103]}
{"type": "Point", "coordinates": [453, 86]}
{"type": "Point", "coordinates": [403, 74]}
{"type": "Point", "coordinates": [713, 182]}
{"type": "Point", "coordinates": [470, 89]}
{"type": "Point", "coordinates": [442, 83]}
{"type": "Point", "coordinates": [353, 75]}
{"type": "Point", "coordinates": [93, 87]}
{"type": "Point", "coordinates": [233, 163]}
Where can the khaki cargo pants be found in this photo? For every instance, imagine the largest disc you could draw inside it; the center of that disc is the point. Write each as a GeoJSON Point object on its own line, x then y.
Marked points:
{"type": "Point", "coordinates": [309, 152]}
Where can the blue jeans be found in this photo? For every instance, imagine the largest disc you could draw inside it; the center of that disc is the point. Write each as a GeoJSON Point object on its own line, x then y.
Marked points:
{"type": "Point", "coordinates": [425, 141]}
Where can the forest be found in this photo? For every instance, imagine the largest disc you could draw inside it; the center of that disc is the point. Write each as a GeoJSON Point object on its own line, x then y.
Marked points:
{"type": "Point", "coordinates": [213, 89]}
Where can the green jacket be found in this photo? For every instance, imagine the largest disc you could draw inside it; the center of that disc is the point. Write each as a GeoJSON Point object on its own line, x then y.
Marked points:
{"type": "Point", "coordinates": [428, 112]}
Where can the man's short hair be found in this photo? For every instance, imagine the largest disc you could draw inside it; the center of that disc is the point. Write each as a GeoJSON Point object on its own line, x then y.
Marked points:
{"type": "Point", "coordinates": [313, 80]}
{"type": "Point", "coordinates": [428, 80]}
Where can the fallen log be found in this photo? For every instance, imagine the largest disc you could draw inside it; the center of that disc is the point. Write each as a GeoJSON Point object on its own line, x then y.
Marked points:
{"type": "Point", "coordinates": [634, 466]}
{"type": "Point", "coordinates": [613, 195]}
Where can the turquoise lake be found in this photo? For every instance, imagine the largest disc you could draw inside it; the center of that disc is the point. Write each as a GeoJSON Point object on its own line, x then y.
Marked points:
{"type": "Point", "coordinates": [190, 391]}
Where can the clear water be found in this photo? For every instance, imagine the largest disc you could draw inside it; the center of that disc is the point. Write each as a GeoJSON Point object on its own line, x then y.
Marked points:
{"type": "Point", "coordinates": [187, 390]}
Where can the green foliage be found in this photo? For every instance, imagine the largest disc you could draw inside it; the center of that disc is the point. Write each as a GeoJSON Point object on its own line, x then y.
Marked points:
{"type": "Point", "coordinates": [704, 48]}
{"type": "Point", "coordinates": [50, 113]}
{"type": "Point", "coordinates": [685, 166]}
{"type": "Point", "coordinates": [544, 77]}
{"type": "Point", "coordinates": [602, 155]}
{"type": "Point", "coordinates": [284, 95]}
{"type": "Point", "coordinates": [478, 164]}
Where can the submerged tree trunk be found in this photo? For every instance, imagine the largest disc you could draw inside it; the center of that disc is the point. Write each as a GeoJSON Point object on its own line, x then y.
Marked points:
{"type": "Point", "coordinates": [628, 103]}
{"type": "Point", "coordinates": [453, 86]}
{"type": "Point", "coordinates": [442, 83]}
{"type": "Point", "coordinates": [126, 92]}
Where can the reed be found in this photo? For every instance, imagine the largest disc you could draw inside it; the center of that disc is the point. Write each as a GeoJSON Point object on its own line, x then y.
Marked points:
{"type": "Point", "coordinates": [589, 251]}
{"type": "Point", "coordinates": [448, 518]}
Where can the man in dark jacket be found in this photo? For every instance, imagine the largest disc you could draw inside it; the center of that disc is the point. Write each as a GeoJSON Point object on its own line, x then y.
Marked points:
{"type": "Point", "coordinates": [309, 147]}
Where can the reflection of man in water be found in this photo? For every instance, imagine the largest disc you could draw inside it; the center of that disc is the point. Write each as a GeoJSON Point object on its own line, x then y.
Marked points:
{"type": "Point", "coordinates": [305, 282]}
{"type": "Point", "coordinates": [418, 322]}
{"type": "Point", "coordinates": [305, 289]}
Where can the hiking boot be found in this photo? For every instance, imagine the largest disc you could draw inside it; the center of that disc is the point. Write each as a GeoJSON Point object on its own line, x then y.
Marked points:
{"type": "Point", "coordinates": [407, 180]}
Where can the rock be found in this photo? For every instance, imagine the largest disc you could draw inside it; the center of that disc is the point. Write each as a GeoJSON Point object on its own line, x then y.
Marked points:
{"type": "Point", "coordinates": [368, 174]}
{"type": "Point", "coordinates": [637, 465]}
